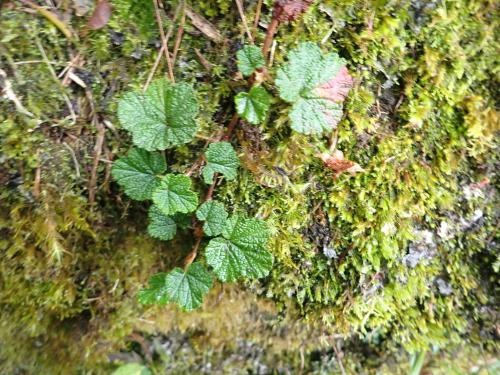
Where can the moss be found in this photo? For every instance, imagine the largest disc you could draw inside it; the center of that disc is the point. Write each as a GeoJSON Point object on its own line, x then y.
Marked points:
{"type": "Point", "coordinates": [418, 223]}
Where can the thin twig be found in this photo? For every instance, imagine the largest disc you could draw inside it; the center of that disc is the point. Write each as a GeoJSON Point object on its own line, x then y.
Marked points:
{"type": "Point", "coordinates": [257, 17]}
{"type": "Point", "coordinates": [164, 41]}
{"type": "Point", "coordinates": [244, 20]}
{"type": "Point", "coordinates": [271, 30]}
{"type": "Point", "coordinates": [180, 33]}
{"type": "Point", "coordinates": [339, 360]}
{"type": "Point", "coordinates": [73, 156]}
{"type": "Point", "coordinates": [155, 66]}
{"type": "Point", "coordinates": [101, 131]}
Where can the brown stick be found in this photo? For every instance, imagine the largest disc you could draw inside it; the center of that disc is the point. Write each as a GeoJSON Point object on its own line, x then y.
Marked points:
{"type": "Point", "coordinates": [271, 30]}
{"type": "Point", "coordinates": [164, 41]}
{"type": "Point", "coordinates": [101, 131]}
{"type": "Point", "coordinates": [178, 38]}
{"type": "Point", "coordinates": [257, 17]}
{"type": "Point", "coordinates": [241, 11]}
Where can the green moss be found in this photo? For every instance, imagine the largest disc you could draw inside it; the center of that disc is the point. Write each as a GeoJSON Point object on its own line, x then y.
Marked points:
{"type": "Point", "coordinates": [421, 121]}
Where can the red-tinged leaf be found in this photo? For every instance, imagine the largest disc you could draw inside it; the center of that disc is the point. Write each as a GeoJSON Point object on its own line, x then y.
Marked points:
{"type": "Point", "coordinates": [289, 10]}
{"type": "Point", "coordinates": [337, 88]}
{"type": "Point", "coordinates": [100, 16]}
{"type": "Point", "coordinates": [338, 164]}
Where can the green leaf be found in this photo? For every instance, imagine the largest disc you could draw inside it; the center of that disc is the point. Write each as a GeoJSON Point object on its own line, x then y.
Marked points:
{"type": "Point", "coordinates": [174, 194]}
{"type": "Point", "coordinates": [138, 172]}
{"type": "Point", "coordinates": [215, 216]}
{"type": "Point", "coordinates": [161, 226]}
{"type": "Point", "coordinates": [221, 158]}
{"type": "Point", "coordinates": [253, 105]}
{"type": "Point", "coordinates": [132, 369]}
{"type": "Point", "coordinates": [156, 292]}
{"type": "Point", "coordinates": [187, 288]}
{"type": "Point", "coordinates": [162, 117]}
{"type": "Point", "coordinates": [242, 252]}
{"type": "Point", "coordinates": [249, 58]}
{"type": "Point", "coordinates": [316, 85]}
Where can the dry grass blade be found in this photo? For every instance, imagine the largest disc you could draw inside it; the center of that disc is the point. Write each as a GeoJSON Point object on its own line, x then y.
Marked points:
{"type": "Point", "coordinates": [241, 11]}
{"type": "Point", "coordinates": [204, 26]}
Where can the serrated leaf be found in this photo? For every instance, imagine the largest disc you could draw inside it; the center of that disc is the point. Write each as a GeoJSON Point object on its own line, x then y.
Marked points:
{"type": "Point", "coordinates": [187, 288]}
{"type": "Point", "coordinates": [253, 105]}
{"type": "Point", "coordinates": [174, 194]}
{"type": "Point", "coordinates": [138, 172]}
{"type": "Point", "coordinates": [215, 216]}
{"type": "Point", "coordinates": [242, 252]}
{"type": "Point", "coordinates": [221, 158]}
{"type": "Point", "coordinates": [316, 85]}
{"type": "Point", "coordinates": [249, 58]}
{"type": "Point", "coordinates": [156, 292]}
{"type": "Point", "coordinates": [162, 117]}
{"type": "Point", "coordinates": [160, 225]}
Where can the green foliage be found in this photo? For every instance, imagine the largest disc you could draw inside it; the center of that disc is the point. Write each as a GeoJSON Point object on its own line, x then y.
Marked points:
{"type": "Point", "coordinates": [242, 251]}
{"type": "Point", "coordinates": [299, 82]}
{"type": "Point", "coordinates": [162, 117]}
{"type": "Point", "coordinates": [221, 158]}
{"type": "Point", "coordinates": [249, 59]}
{"type": "Point", "coordinates": [184, 287]}
{"type": "Point", "coordinates": [132, 369]}
{"type": "Point", "coordinates": [188, 287]}
{"type": "Point", "coordinates": [174, 195]}
{"type": "Point", "coordinates": [156, 292]}
{"type": "Point", "coordinates": [138, 173]}
{"type": "Point", "coordinates": [214, 215]}
{"type": "Point", "coordinates": [420, 119]}
{"type": "Point", "coordinates": [161, 226]}
{"type": "Point", "coordinates": [253, 105]}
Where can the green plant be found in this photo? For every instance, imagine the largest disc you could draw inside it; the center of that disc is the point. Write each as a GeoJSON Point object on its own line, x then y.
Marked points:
{"type": "Point", "coordinates": [164, 116]}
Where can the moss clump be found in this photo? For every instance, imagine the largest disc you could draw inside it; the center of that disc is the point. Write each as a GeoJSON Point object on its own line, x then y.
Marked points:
{"type": "Point", "coordinates": [402, 257]}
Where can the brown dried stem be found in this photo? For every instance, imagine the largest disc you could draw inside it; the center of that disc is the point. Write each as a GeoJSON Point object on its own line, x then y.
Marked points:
{"type": "Point", "coordinates": [164, 41]}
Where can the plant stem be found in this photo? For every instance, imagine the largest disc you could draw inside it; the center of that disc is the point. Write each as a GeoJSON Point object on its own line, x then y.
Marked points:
{"type": "Point", "coordinates": [271, 30]}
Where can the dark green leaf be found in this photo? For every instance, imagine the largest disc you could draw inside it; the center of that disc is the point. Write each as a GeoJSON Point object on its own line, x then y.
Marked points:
{"type": "Point", "coordinates": [253, 105]}
{"type": "Point", "coordinates": [249, 58]}
{"type": "Point", "coordinates": [215, 215]}
{"type": "Point", "coordinates": [138, 172]}
{"type": "Point", "coordinates": [156, 292]}
{"type": "Point", "coordinates": [174, 194]}
{"type": "Point", "coordinates": [242, 252]}
{"type": "Point", "coordinates": [162, 117]}
{"type": "Point", "coordinates": [187, 288]}
{"type": "Point", "coordinates": [221, 158]}
{"type": "Point", "coordinates": [161, 226]}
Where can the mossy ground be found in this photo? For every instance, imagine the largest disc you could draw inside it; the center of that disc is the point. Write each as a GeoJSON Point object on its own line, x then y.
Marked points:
{"type": "Point", "coordinates": [414, 236]}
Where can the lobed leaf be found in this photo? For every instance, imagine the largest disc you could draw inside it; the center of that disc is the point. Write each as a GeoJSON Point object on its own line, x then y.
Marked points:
{"type": "Point", "coordinates": [215, 216]}
{"type": "Point", "coordinates": [187, 288]}
{"type": "Point", "coordinates": [316, 85]}
{"type": "Point", "coordinates": [162, 117]}
{"type": "Point", "coordinates": [241, 252]}
{"type": "Point", "coordinates": [249, 58]}
{"type": "Point", "coordinates": [156, 292]}
{"type": "Point", "coordinates": [138, 173]}
{"type": "Point", "coordinates": [174, 194]}
{"type": "Point", "coordinates": [160, 225]}
{"type": "Point", "coordinates": [221, 158]}
{"type": "Point", "coordinates": [253, 105]}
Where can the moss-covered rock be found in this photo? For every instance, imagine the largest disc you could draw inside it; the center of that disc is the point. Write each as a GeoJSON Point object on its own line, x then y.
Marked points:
{"type": "Point", "coordinates": [402, 257]}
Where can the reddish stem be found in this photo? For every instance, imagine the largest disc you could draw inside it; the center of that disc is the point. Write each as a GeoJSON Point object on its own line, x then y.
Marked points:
{"type": "Point", "coordinates": [271, 30]}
